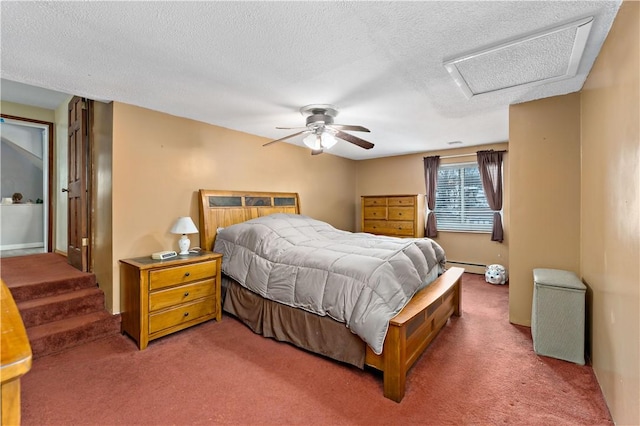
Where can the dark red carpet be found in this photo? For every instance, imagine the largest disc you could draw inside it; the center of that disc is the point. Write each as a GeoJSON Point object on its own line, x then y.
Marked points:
{"type": "Point", "coordinates": [479, 370]}
{"type": "Point", "coordinates": [24, 276]}
{"type": "Point", "coordinates": [60, 306]}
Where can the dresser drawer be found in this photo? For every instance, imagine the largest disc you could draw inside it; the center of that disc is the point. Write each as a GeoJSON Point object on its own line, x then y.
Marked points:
{"type": "Point", "coordinates": [375, 201]}
{"type": "Point", "coordinates": [401, 213]}
{"type": "Point", "coordinates": [161, 320]}
{"type": "Point", "coordinates": [386, 227]}
{"type": "Point", "coordinates": [181, 274]}
{"type": "Point", "coordinates": [401, 201]}
{"type": "Point", "coordinates": [185, 293]}
{"type": "Point", "coordinates": [375, 226]}
{"type": "Point", "coordinates": [375, 213]}
{"type": "Point", "coordinates": [401, 228]}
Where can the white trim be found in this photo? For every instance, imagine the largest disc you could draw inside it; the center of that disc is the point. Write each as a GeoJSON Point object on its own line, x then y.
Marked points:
{"type": "Point", "coordinates": [583, 28]}
{"type": "Point", "coordinates": [45, 170]}
{"type": "Point", "coordinates": [22, 246]}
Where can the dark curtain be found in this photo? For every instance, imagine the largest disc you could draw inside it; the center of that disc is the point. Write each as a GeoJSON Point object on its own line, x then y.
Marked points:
{"type": "Point", "coordinates": [431, 165]}
{"type": "Point", "coordinates": [490, 165]}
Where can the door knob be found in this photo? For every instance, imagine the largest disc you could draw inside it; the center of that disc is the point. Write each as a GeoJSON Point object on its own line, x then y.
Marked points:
{"type": "Point", "coordinates": [65, 190]}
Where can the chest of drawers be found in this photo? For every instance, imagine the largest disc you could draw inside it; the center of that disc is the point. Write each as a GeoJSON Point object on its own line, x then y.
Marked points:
{"type": "Point", "coordinates": [393, 215]}
{"type": "Point", "coordinates": [160, 297]}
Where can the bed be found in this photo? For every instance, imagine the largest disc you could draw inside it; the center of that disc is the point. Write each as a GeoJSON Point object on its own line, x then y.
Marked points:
{"type": "Point", "coordinates": [407, 333]}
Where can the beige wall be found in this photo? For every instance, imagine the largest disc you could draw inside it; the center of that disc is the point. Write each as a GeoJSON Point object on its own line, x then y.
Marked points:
{"type": "Point", "coordinates": [26, 111]}
{"type": "Point", "coordinates": [589, 223]}
{"type": "Point", "coordinates": [610, 248]}
{"type": "Point", "coordinates": [404, 174]}
{"type": "Point", "coordinates": [102, 200]}
{"type": "Point", "coordinates": [160, 161]}
{"type": "Point", "coordinates": [544, 153]}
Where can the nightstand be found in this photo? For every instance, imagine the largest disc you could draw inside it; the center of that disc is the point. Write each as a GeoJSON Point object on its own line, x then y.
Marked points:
{"type": "Point", "coordinates": [160, 297]}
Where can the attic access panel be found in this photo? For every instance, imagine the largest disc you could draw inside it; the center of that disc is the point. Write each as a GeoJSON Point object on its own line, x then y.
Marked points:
{"type": "Point", "coordinates": [549, 55]}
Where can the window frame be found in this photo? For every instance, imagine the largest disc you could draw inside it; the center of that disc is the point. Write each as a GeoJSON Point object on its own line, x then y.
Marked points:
{"type": "Point", "coordinates": [485, 228]}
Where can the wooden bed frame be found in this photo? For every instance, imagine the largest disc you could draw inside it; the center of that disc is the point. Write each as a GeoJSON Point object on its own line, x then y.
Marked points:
{"type": "Point", "coordinates": [410, 332]}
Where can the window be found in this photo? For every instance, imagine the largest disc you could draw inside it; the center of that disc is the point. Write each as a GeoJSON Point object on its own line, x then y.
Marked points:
{"type": "Point", "coordinates": [460, 201]}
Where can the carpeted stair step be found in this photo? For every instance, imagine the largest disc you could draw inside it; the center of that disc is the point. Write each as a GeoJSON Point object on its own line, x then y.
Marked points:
{"type": "Point", "coordinates": [57, 336]}
{"type": "Point", "coordinates": [55, 308]}
{"type": "Point", "coordinates": [42, 275]}
{"type": "Point", "coordinates": [34, 290]}
{"type": "Point", "coordinates": [60, 306]}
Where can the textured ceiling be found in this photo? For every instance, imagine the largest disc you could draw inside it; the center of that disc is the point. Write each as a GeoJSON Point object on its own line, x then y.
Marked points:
{"type": "Point", "coordinates": [250, 66]}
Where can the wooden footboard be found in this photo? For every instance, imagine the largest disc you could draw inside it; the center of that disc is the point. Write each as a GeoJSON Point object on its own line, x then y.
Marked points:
{"type": "Point", "coordinates": [411, 331]}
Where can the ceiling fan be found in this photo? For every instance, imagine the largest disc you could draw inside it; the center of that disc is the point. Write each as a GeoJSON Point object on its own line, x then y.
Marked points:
{"type": "Point", "coordinates": [322, 133]}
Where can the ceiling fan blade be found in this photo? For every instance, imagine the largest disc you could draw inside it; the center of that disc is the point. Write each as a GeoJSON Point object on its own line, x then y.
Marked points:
{"type": "Point", "coordinates": [286, 137]}
{"type": "Point", "coordinates": [290, 128]}
{"type": "Point", "coordinates": [354, 140]}
{"type": "Point", "coordinates": [316, 151]}
{"type": "Point", "coordinates": [348, 127]}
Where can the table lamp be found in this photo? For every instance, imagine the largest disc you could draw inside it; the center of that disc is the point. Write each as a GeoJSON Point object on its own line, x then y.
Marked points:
{"type": "Point", "coordinates": [184, 225]}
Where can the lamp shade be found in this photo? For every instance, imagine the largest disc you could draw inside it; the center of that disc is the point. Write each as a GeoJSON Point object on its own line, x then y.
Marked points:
{"type": "Point", "coordinates": [321, 139]}
{"type": "Point", "coordinates": [312, 141]}
{"type": "Point", "coordinates": [328, 140]}
{"type": "Point", "coordinates": [184, 225]}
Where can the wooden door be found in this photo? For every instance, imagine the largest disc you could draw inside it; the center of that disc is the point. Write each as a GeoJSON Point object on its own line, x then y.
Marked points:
{"type": "Point", "coordinates": [78, 185]}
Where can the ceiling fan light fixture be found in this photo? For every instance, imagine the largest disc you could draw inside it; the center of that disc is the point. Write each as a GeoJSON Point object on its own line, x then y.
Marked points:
{"type": "Point", "coordinates": [312, 141]}
{"type": "Point", "coordinates": [321, 132]}
{"type": "Point", "coordinates": [320, 139]}
{"type": "Point", "coordinates": [327, 140]}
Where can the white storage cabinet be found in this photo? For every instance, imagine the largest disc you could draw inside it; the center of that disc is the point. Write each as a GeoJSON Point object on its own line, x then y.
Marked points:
{"type": "Point", "coordinates": [558, 315]}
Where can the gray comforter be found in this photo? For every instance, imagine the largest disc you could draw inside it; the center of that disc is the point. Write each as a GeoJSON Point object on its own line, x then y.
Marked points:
{"type": "Point", "coordinates": [359, 279]}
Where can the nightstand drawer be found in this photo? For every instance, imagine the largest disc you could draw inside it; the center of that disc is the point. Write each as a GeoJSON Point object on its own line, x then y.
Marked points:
{"type": "Point", "coordinates": [186, 293]}
{"type": "Point", "coordinates": [181, 274]}
{"type": "Point", "coordinates": [181, 314]}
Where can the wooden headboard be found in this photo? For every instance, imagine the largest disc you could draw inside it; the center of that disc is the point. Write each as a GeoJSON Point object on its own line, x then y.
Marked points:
{"type": "Point", "coordinates": [225, 208]}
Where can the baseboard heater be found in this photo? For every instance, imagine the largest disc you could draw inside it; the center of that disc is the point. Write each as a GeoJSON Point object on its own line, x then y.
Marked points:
{"type": "Point", "coordinates": [466, 263]}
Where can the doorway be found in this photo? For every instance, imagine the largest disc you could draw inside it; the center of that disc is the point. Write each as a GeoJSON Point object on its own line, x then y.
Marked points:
{"type": "Point", "coordinates": [26, 186]}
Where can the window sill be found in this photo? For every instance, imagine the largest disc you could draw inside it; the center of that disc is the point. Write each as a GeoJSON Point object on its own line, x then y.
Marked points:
{"type": "Point", "coordinates": [458, 231]}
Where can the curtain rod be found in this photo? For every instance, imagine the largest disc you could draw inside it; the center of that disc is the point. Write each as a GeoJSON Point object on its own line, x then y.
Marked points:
{"type": "Point", "coordinates": [465, 155]}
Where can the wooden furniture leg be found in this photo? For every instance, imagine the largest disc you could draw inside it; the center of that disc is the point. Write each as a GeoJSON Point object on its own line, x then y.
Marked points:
{"type": "Point", "coordinates": [412, 330]}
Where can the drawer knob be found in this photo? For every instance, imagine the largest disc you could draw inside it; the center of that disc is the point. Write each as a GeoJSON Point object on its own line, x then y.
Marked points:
{"type": "Point", "coordinates": [186, 314]}
{"type": "Point", "coordinates": [399, 214]}
{"type": "Point", "coordinates": [186, 274]}
{"type": "Point", "coordinates": [186, 294]}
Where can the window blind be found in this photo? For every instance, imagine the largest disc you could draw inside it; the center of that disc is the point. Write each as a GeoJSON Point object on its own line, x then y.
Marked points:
{"type": "Point", "coordinates": [460, 201]}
